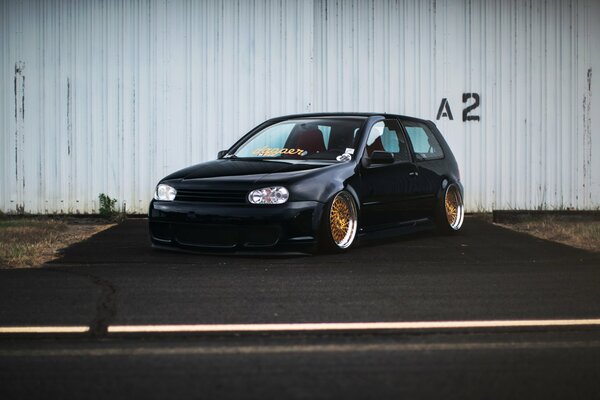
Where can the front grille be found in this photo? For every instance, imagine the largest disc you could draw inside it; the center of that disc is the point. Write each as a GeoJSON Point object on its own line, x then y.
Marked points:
{"type": "Point", "coordinates": [211, 196]}
{"type": "Point", "coordinates": [207, 236]}
{"type": "Point", "coordinates": [225, 235]}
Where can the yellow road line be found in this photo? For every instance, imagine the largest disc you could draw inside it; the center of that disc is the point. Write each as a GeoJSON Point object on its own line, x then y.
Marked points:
{"type": "Point", "coordinates": [350, 326]}
{"type": "Point", "coordinates": [43, 329]}
{"type": "Point", "coordinates": [305, 327]}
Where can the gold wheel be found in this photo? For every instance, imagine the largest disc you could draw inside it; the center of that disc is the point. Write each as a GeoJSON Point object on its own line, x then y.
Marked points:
{"type": "Point", "coordinates": [454, 207]}
{"type": "Point", "coordinates": [342, 220]}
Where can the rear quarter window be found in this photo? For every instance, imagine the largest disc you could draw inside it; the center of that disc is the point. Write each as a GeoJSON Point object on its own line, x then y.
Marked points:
{"type": "Point", "coordinates": [424, 143]}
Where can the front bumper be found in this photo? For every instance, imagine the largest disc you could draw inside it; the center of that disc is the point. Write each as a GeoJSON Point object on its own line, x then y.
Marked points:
{"type": "Point", "coordinates": [289, 227]}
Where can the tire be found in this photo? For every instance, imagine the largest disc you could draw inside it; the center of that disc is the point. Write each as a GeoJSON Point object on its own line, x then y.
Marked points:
{"type": "Point", "coordinates": [450, 212]}
{"type": "Point", "coordinates": [339, 226]}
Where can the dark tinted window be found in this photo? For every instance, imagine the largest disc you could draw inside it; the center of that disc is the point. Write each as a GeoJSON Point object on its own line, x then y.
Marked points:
{"type": "Point", "coordinates": [424, 143]}
{"type": "Point", "coordinates": [387, 136]}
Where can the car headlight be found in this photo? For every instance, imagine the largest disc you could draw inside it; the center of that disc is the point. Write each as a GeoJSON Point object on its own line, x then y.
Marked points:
{"type": "Point", "coordinates": [165, 192]}
{"type": "Point", "coordinates": [269, 195]}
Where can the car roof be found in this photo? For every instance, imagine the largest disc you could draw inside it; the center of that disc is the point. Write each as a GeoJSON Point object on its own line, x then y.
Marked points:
{"type": "Point", "coordinates": [349, 114]}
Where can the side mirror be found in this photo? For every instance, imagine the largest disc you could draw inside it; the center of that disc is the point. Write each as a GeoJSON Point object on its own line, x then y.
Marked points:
{"type": "Point", "coordinates": [381, 157]}
{"type": "Point", "coordinates": [221, 154]}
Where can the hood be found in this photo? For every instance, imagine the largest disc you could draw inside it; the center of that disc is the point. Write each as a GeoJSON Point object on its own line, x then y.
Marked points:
{"type": "Point", "coordinates": [241, 170]}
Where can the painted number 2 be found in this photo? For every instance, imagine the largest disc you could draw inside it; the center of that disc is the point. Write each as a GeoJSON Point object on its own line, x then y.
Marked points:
{"type": "Point", "coordinates": [444, 110]}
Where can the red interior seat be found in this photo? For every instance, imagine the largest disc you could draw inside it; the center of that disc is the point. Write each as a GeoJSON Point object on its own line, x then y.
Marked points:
{"type": "Point", "coordinates": [377, 145]}
{"type": "Point", "coordinates": [311, 141]}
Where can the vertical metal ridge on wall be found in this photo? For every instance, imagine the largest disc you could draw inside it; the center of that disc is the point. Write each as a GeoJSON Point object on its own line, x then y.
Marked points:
{"type": "Point", "coordinates": [110, 96]}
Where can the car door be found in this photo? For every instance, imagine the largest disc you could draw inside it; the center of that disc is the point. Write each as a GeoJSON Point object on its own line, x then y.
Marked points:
{"type": "Point", "coordinates": [387, 186]}
{"type": "Point", "coordinates": [429, 158]}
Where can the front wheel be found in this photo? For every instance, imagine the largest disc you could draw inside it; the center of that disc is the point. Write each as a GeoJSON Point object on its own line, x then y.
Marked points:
{"type": "Point", "coordinates": [450, 212]}
{"type": "Point", "coordinates": [340, 223]}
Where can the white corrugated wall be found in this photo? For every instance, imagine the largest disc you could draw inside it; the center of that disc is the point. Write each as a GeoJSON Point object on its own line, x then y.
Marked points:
{"type": "Point", "coordinates": [109, 96]}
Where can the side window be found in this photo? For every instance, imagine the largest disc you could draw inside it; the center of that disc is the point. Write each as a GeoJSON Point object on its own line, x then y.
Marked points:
{"type": "Point", "coordinates": [387, 136]}
{"type": "Point", "coordinates": [424, 143]}
{"type": "Point", "coordinates": [326, 132]}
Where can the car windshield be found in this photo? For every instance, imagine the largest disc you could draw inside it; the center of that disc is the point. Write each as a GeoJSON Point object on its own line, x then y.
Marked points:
{"type": "Point", "coordinates": [321, 139]}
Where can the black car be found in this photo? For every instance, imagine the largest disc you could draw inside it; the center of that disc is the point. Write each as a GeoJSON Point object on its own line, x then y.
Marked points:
{"type": "Point", "coordinates": [312, 181]}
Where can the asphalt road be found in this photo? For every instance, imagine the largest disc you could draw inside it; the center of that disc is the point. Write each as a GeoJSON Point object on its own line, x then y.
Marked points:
{"type": "Point", "coordinates": [486, 273]}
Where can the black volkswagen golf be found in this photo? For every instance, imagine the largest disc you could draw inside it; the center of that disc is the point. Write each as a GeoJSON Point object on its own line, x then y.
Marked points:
{"type": "Point", "coordinates": [310, 182]}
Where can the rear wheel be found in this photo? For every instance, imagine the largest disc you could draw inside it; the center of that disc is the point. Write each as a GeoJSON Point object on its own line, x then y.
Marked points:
{"type": "Point", "coordinates": [340, 223]}
{"type": "Point", "coordinates": [451, 211]}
